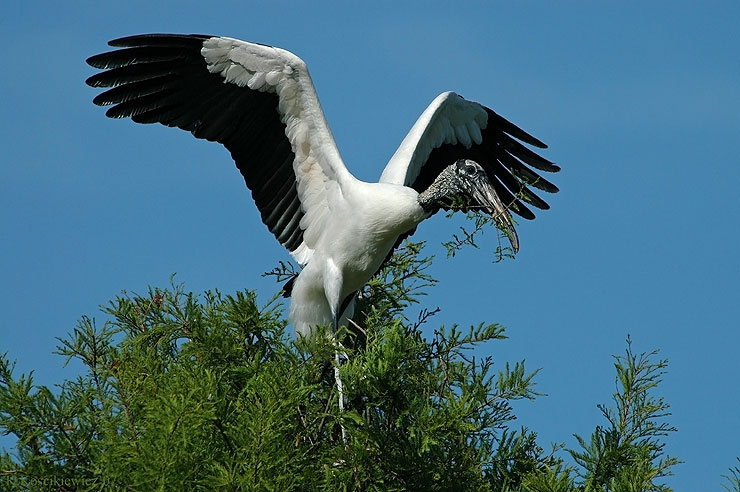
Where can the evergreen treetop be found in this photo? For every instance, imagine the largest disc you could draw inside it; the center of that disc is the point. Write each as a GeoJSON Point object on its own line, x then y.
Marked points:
{"type": "Point", "coordinates": [208, 392]}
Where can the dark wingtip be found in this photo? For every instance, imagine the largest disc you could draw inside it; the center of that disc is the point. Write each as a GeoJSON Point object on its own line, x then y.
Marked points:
{"type": "Point", "coordinates": [132, 40]}
{"type": "Point", "coordinates": [137, 40]}
{"type": "Point", "coordinates": [513, 130]}
{"type": "Point", "coordinates": [98, 61]}
{"type": "Point", "coordinates": [157, 39]}
{"type": "Point", "coordinates": [522, 211]}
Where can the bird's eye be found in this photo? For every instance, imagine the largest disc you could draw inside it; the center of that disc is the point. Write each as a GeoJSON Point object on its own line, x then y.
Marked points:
{"type": "Point", "coordinates": [470, 169]}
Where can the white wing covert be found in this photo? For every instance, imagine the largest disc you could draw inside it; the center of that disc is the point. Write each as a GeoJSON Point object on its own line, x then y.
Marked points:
{"type": "Point", "coordinates": [257, 100]}
{"type": "Point", "coordinates": [453, 128]}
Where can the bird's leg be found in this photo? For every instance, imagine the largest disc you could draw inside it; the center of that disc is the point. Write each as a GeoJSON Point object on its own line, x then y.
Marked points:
{"type": "Point", "coordinates": [338, 380]}
{"type": "Point", "coordinates": [339, 356]}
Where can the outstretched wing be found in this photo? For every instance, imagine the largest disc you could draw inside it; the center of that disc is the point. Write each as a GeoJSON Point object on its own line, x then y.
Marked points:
{"type": "Point", "coordinates": [453, 128]}
{"type": "Point", "coordinates": [256, 100]}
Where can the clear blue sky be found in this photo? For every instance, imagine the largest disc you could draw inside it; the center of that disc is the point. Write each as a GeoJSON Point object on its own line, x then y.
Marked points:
{"type": "Point", "coordinates": [640, 103]}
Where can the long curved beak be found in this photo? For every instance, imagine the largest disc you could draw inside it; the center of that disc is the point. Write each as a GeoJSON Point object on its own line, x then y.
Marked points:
{"type": "Point", "coordinates": [486, 196]}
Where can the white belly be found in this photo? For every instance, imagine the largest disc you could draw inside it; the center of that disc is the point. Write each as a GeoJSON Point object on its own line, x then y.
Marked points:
{"type": "Point", "coordinates": [351, 250]}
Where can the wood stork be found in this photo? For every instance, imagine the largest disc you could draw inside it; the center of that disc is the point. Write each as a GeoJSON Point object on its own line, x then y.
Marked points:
{"type": "Point", "coordinates": [259, 102]}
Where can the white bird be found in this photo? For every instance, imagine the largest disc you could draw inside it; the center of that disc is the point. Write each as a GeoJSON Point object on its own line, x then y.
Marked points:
{"type": "Point", "coordinates": [259, 102]}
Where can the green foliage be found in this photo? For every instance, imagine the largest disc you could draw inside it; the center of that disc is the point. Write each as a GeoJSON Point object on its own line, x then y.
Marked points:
{"type": "Point", "coordinates": [209, 392]}
{"type": "Point", "coordinates": [627, 454]}
{"type": "Point", "coordinates": [467, 237]}
{"type": "Point", "coordinates": [733, 479]}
